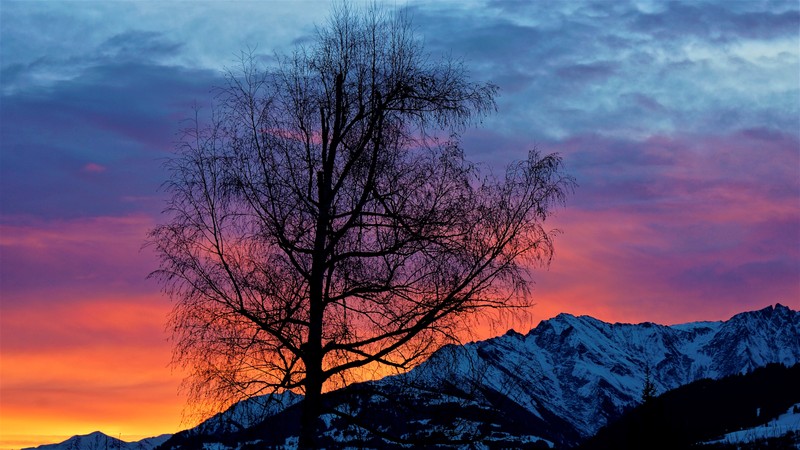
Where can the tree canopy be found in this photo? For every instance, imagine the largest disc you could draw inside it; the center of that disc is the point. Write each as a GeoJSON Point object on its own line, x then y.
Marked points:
{"type": "Point", "coordinates": [326, 219]}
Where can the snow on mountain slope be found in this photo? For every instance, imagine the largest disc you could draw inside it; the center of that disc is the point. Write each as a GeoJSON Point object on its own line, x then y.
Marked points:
{"type": "Point", "coordinates": [571, 375]}
{"type": "Point", "coordinates": [780, 426]}
{"type": "Point", "coordinates": [587, 371]}
{"type": "Point", "coordinates": [558, 383]}
{"type": "Point", "coordinates": [247, 413]}
{"type": "Point", "coordinates": [100, 441]}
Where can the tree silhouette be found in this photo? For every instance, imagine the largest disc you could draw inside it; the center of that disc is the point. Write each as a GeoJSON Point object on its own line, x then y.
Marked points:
{"type": "Point", "coordinates": [648, 388]}
{"type": "Point", "coordinates": [325, 219]}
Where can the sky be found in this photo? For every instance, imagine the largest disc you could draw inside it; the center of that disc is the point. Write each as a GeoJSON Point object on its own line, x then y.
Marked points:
{"type": "Point", "coordinates": [680, 122]}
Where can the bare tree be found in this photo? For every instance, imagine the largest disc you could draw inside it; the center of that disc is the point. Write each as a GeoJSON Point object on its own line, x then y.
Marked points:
{"type": "Point", "coordinates": [326, 220]}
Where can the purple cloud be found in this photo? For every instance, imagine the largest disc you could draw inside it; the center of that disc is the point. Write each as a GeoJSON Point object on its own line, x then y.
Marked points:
{"type": "Point", "coordinates": [123, 117]}
{"type": "Point", "coordinates": [716, 22]}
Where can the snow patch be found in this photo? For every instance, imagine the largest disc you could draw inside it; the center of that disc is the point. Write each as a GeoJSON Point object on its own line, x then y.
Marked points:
{"type": "Point", "coordinates": [780, 426]}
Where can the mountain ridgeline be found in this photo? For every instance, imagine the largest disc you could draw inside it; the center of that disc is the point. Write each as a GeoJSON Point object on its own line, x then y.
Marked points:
{"type": "Point", "coordinates": [553, 387]}
{"type": "Point", "coordinates": [588, 372]}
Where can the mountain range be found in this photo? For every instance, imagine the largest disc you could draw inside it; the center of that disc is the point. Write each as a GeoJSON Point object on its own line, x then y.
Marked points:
{"type": "Point", "coordinates": [100, 441]}
{"type": "Point", "coordinates": [554, 386]}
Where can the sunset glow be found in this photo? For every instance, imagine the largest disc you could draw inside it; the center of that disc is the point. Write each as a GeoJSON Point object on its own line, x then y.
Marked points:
{"type": "Point", "coordinates": [679, 121]}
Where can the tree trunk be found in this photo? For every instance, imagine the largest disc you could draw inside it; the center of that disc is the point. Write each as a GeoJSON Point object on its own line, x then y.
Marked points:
{"type": "Point", "coordinates": [312, 351]}
{"type": "Point", "coordinates": [311, 409]}
{"type": "Point", "coordinates": [312, 405]}
{"type": "Point", "coordinates": [312, 358]}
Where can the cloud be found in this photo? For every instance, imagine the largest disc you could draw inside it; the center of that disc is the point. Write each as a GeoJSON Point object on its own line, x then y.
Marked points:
{"type": "Point", "coordinates": [567, 69]}
{"type": "Point", "coordinates": [687, 225]}
{"type": "Point", "coordinates": [128, 47]}
{"type": "Point", "coordinates": [75, 257]}
{"type": "Point", "coordinates": [167, 33]}
{"type": "Point", "coordinates": [93, 168]}
{"type": "Point", "coordinates": [134, 45]}
{"type": "Point", "coordinates": [564, 70]}
{"type": "Point", "coordinates": [719, 23]}
{"type": "Point", "coordinates": [82, 333]}
{"type": "Point", "coordinates": [586, 73]}
{"type": "Point", "coordinates": [122, 117]}
{"type": "Point", "coordinates": [669, 228]}
{"type": "Point", "coordinates": [83, 364]}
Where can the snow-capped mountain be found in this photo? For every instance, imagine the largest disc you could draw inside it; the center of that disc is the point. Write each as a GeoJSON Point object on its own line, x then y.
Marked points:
{"type": "Point", "coordinates": [586, 371]}
{"type": "Point", "coordinates": [100, 441]}
{"type": "Point", "coordinates": [554, 386]}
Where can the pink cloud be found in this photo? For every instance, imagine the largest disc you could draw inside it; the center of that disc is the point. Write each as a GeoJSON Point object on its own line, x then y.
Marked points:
{"type": "Point", "coordinates": [93, 168]}
{"type": "Point", "coordinates": [700, 228]}
{"type": "Point", "coordinates": [89, 255]}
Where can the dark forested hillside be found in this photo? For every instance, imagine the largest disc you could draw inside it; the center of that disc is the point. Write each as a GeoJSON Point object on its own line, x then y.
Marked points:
{"type": "Point", "coordinates": [704, 410]}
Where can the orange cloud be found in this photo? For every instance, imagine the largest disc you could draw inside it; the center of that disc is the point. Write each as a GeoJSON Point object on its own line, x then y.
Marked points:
{"type": "Point", "coordinates": [87, 364]}
{"type": "Point", "coordinates": [83, 334]}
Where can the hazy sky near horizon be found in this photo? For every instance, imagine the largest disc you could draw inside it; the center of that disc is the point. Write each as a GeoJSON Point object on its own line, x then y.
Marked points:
{"type": "Point", "coordinates": [679, 120]}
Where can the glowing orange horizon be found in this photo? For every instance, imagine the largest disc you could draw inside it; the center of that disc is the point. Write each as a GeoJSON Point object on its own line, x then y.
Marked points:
{"type": "Point", "coordinates": [123, 386]}
{"type": "Point", "coordinates": [86, 361]}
